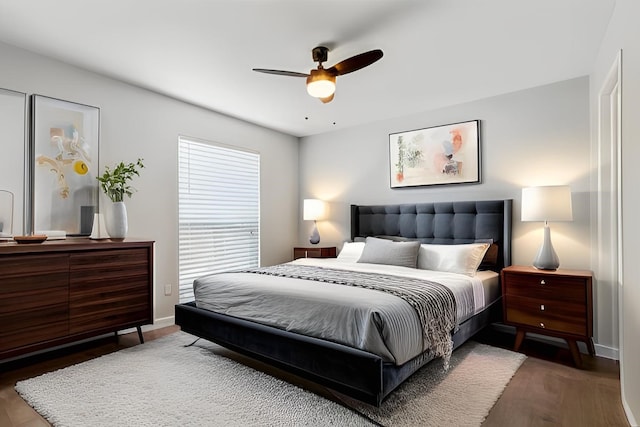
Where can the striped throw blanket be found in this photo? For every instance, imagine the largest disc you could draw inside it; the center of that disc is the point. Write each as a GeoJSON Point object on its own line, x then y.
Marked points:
{"type": "Point", "coordinates": [434, 303]}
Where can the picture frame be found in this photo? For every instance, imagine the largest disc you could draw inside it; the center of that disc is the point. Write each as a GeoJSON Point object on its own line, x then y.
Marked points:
{"type": "Point", "coordinates": [13, 122]}
{"type": "Point", "coordinates": [439, 155]}
{"type": "Point", "coordinates": [63, 152]}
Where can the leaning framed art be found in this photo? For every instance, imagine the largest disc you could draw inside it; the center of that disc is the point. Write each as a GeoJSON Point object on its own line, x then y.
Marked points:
{"type": "Point", "coordinates": [64, 160]}
{"type": "Point", "coordinates": [447, 154]}
{"type": "Point", "coordinates": [13, 122]}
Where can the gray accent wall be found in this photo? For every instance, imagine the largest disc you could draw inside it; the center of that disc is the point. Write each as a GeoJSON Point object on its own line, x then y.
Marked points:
{"type": "Point", "coordinates": [538, 136]}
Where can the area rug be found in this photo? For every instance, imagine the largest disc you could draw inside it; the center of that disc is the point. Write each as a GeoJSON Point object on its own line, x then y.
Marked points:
{"type": "Point", "coordinates": [165, 383]}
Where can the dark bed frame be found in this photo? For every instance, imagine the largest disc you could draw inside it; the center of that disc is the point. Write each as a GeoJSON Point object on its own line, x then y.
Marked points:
{"type": "Point", "coordinates": [356, 373]}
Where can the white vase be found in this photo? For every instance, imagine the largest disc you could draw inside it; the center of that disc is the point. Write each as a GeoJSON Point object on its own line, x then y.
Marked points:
{"type": "Point", "coordinates": [117, 223]}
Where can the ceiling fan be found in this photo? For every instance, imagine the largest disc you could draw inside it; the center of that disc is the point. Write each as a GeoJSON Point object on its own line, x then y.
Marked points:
{"type": "Point", "coordinates": [321, 82]}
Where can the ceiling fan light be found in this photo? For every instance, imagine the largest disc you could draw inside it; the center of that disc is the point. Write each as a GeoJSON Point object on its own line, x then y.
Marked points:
{"type": "Point", "coordinates": [321, 84]}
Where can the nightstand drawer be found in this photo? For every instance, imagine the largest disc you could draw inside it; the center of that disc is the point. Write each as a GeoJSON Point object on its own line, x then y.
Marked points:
{"type": "Point", "coordinates": [547, 315]}
{"type": "Point", "coordinates": [317, 252]}
{"type": "Point", "coordinates": [546, 287]}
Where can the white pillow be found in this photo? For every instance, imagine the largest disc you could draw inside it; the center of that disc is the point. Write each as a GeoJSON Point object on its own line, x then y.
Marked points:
{"type": "Point", "coordinates": [463, 259]}
{"type": "Point", "coordinates": [351, 251]}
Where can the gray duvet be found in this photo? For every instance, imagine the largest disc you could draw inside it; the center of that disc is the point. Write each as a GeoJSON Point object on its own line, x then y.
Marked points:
{"type": "Point", "coordinates": [371, 320]}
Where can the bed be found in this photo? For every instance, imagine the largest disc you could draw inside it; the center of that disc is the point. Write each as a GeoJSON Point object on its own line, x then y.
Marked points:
{"type": "Point", "coordinates": [360, 367]}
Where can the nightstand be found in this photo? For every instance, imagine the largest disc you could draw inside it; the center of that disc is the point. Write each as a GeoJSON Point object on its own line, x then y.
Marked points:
{"type": "Point", "coordinates": [314, 252]}
{"type": "Point", "coordinates": [554, 303]}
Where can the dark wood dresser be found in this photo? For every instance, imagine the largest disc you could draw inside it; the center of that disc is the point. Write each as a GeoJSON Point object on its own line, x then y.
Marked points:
{"type": "Point", "coordinates": [62, 291]}
{"type": "Point", "coordinates": [555, 303]}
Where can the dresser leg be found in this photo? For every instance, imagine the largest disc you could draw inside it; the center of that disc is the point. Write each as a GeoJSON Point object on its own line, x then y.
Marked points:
{"type": "Point", "coordinates": [140, 336]}
{"type": "Point", "coordinates": [591, 347]}
{"type": "Point", "coordinates": [519, 338]}
{"type": "Point", "coordinates": [575, 353]}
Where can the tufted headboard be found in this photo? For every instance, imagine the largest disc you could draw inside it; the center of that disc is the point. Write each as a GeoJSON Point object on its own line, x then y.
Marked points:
{"type": "Point", "coordinates": [445, 223]}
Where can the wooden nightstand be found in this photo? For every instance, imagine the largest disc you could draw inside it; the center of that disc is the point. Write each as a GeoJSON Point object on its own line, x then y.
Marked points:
{"type": "Point", "coordinates": [554, 303]}
{"type": "Point", "coordinates": [314, 252]}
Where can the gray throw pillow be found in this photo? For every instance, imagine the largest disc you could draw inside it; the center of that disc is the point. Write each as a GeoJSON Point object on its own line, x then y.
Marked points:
{"type": "Point", "coordinates": [382, 251]}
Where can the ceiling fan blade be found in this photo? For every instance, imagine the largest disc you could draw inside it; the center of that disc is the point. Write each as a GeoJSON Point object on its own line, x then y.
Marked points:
{"type": "Point", "coordinates": [356, 62]}
{"type": "Point", "coordinates": [281, 73]}
{"type": "Point", "coordinates": [328, 98]}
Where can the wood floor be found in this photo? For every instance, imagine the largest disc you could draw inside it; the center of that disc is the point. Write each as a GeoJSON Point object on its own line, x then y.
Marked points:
{"type": "Point", "coordinates": [546, 391]}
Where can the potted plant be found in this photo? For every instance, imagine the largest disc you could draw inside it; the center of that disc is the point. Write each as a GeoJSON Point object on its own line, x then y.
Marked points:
{"type": "Point", "coordinates": [115, 183]}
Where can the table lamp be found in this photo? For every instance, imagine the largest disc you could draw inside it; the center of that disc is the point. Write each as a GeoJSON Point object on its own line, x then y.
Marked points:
{"type": "Point", "coordinates": [313, 210]}
{"type": "Point", "coordinates": [550, 203]}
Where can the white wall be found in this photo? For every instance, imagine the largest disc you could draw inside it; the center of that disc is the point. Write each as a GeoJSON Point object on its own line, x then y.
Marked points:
{"type": "Point", "coordinates": [139, 123]}
{"type": "Point", "coordinates": [624, 33]}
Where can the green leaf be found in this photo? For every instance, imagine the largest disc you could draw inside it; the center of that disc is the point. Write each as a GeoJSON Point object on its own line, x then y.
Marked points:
{"type": "Point", "coordinates": [114, 182]}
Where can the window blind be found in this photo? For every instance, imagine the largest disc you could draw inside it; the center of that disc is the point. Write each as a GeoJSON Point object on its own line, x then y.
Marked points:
{"type": "Point", "coordinates": [219, 211]}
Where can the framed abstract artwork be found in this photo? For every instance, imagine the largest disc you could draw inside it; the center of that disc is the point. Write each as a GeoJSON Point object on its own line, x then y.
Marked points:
{"type": "Point", "coordinates": [447, 154]}
{"type": "Point", "coordinates": [64, 161]}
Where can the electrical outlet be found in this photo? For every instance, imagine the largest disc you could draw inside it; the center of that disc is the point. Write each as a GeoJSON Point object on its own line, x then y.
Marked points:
{"type": "Point", "coordinates": [167, 289]}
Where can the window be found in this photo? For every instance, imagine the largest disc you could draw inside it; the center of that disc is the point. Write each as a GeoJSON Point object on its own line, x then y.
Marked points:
{"type": "Point", "coordinates": [218, 211]}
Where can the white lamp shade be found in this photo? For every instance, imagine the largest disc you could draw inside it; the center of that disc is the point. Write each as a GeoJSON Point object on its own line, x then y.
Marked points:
{"type": "Point", "coordinates": [551, 203]}
{"type": "Point", "coordinates": [321, 84]}
{"type": "Point", "coordinates": [313, 209]}
{"type": "Point", "coordinates": [321, 88]}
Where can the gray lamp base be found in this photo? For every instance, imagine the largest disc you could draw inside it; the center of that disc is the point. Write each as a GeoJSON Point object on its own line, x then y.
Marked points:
{"type": "Point", "coordinates": [315, 236]}
{"type": "Point", "coordinates": [547, 259]}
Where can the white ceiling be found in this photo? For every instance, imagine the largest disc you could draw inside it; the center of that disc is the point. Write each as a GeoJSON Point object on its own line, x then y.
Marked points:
{"type": "Point", "coordinates": [436, 52]}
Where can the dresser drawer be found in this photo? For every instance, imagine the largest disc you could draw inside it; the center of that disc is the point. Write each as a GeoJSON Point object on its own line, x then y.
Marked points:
{"type": "Point", "coordinates": [111, 262]}
{"type": "Point", "coordinates": [109, 288]}
{"type": "Point", "coordinates": [547, 315]}
{"type": "Point", "coordinates": [34, 299]}
{"type": "Point", "coordinates": [32, 273]}
{"type": "Point", "coordinates": [31, 327]}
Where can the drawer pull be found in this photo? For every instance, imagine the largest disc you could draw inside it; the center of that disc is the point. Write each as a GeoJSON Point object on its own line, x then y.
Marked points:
{"type": "Point", "coordinates": [541, 307]}
{"type": "Point", "coordinates": [542, 325]}
{"type": "Point", "coordinates": [542, 282]}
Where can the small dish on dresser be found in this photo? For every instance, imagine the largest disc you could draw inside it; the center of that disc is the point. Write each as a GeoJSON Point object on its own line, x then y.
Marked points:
{"type": "Point", "coordinates": [37, 238]}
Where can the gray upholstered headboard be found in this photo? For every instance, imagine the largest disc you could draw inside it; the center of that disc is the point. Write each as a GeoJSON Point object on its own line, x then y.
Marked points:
{"type": "Point", "coordinates": [447, 223]}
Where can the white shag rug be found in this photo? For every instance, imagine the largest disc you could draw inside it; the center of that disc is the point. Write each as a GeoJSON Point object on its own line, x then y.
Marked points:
{"type": "Point", "coordinates": [163, 383]}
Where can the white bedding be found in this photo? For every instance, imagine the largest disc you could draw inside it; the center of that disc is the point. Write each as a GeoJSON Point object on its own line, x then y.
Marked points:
{"type": "Point", "coordinates": [486, 283]}
{"type": "Point", "coordinates": [370, 320]}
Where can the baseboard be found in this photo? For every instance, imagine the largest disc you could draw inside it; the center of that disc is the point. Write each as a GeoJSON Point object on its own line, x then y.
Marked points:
{"type": "Point", "coordinates": [628, 413]}
{"type": "Point", "coordinates": [607, 352]}
{"type": "Point", "coordinates": [157, 324]}
{"type": "Point", "coordinates": [160, 323]}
